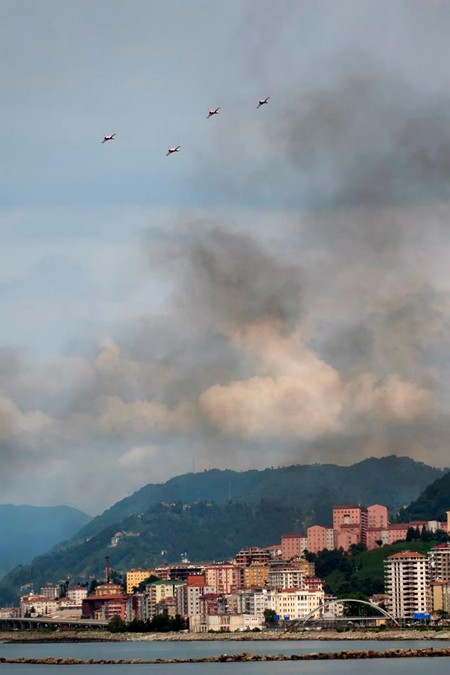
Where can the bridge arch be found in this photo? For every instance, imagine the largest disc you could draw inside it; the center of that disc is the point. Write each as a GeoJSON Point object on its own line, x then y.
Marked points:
{"type": "Point", "coordinates": [338, 601]}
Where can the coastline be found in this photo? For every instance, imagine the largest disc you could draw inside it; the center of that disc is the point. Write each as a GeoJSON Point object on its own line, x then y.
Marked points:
{"type": "Point", "coordinates": [96, 636]}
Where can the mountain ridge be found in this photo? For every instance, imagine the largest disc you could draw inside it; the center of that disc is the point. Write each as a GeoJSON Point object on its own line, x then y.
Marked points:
{"type": "Point", "coordinates": [193, 513]}
{"type": "Point", "coordinates": [222, 485]}
{"type": "Point", "coordinates": [432, 504]}
{"type": "Point", "coordinates": [27, 531]}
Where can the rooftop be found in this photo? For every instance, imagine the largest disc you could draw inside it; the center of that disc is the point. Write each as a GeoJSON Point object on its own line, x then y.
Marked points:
{"type": "Point", "coordinates": [405, 554]}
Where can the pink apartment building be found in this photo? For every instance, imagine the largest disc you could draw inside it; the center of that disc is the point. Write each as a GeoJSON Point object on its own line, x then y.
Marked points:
{"type": "Point", "coordinates": [291, 546]}
{"type": "Point", "coordinates": [377, 516]}
{"type": "Point", "coordinates": [319, 538]}
{"type": "Point", "coordinates": [224, 579]}
{"type": "Point", "coordinates": [349, 525]}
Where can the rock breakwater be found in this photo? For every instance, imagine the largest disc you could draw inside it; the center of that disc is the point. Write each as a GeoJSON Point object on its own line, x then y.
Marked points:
{"type": "Point", "coordinates": [245, 657]}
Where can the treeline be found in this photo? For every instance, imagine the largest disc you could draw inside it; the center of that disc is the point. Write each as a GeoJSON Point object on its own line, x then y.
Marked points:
{"type": "Point", "coordinates": [432, 504]}
{"type": "Point", "coordinates": [161, 623]}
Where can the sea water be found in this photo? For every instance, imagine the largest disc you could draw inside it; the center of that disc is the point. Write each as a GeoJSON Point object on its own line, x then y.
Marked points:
{"type": "Point", "coordinates": [185, 649]}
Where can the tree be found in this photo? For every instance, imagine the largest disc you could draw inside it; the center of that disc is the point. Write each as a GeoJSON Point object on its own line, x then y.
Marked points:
{"type": "Point", "coordinates": [92, 586]}
{"type": "Point", "coordinates": [426, 535]}
{"type": "Point", "coordinates": [270, 616]}
{"type": "Point", "coordinates": [412, 534]}
{"type": "Point", "coordinates": [116, 625]}
{"type": "Point", "coordinates": [140, 588]}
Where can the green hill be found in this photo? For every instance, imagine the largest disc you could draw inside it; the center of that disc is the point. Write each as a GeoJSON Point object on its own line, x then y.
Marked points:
{"type": "Point", "coordinates": [163, 534]}
{"type": "Point", "coordinates": [311, 488]}
{"type": "Point", "coordinates": [361, 574]}
{"type": "Point", "coordinates": [432, 504]}
{"type": "Point", "coordinates": [210, 516]}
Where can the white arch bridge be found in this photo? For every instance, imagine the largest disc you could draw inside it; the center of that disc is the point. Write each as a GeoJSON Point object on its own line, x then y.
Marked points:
{"type": "Point", "coordinates": [300, 623]}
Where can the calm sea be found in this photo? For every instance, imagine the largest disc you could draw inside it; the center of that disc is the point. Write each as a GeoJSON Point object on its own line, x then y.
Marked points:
{"type": "Point", "coordinates": [155, 650]}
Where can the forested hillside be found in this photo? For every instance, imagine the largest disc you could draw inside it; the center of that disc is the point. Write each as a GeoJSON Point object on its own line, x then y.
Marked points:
{"type": "Point", "coordinates": [310, 488]}
{"type": "Point", "coordinates": [210, 516]}
{"type": "Point", "coordinates": [432, 504]}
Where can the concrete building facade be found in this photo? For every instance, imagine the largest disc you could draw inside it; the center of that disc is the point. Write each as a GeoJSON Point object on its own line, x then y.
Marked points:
{"type": "Point", "coordinates": [407, 584]}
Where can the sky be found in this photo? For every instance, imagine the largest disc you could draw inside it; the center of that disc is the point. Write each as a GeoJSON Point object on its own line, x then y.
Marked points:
{"type": "Point", "coordinates": [277, 292]}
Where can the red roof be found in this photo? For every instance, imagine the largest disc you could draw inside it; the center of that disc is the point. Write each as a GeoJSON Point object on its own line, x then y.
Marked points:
{"type": "Point", "coordinates": [406, 554]}
{"type": "Point", "coordinates": [196, 580]}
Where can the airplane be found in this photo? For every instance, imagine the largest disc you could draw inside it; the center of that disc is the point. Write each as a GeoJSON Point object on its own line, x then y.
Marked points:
{"type": "Point", "coordinates": [213, 112]}
{"type": "Point", "coordinates": [109, 137]}
{"type": "Point", "coordinates": [171, 150]}
{"type": "Point", "coordinates": [263, 101]}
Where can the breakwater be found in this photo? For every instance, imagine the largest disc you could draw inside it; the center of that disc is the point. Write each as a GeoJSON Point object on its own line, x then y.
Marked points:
{"type": "Point", "coordinates": [399, 635]}
{"type": "Point", "coordinates": [243, 657]}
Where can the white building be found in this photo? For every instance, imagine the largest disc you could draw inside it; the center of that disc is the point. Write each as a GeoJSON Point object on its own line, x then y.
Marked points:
{"type": "Point", "coordinates": [296, 603]}
{"type": "Point", "coordinates": [289, 577]}
{"type": "Point", "coordinates": [188, 598]}
{"type": "Point", "coordinates": [37, 605]}
{"type": "Point", "coordinates": [77, 594]}
{"type": "Point", "coordinates": [407, 584]}
{"type": "Point", "coordinates": [253, 602]}
{"type": "Point", "coordinates": [51, 591]}
{"type": "Point", "coordinates": [222, 623]}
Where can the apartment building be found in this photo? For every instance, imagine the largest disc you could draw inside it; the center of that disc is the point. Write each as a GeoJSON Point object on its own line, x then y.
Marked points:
{"type": "Point", "coordinates": [288, 576]}
{"type": "Point", "coordinates": [188, 595]}
{"type": "Point", "coordinates": [224, 579]}
{"type": "Point", "coordinates": [34, 605]}
{"type": "Point", "coordinates": [439, 559]}
{"type": "Point", "coordinates": [319, 538]}
{"type": "Point", "coordinates": [157, 591]}
{"type": "Point", "coordinates": [377, 516]}
{"type": "Point", "coordinates": [296, 603]}
{"type": "Point", "coordinates": [76, 594]}
{"type": "Point", "coordinates": [51, 591]}
{"type": "Point", "coordinates": [407, 584]}
{"type": "Point", "coordinates": [253, 602]}
{"type": "Point", "coordinates": [349, 525]}
{"type": "Point", "coordinates": [252, 556]}
{"type": "Point", "coordinates": [293, 545]}
{"type": "Point", "coordinates": [440, 596]}
{"type": "Point", "coordinates": [136, 576]}
{"type": "Point", "coordinates": [254, 576]}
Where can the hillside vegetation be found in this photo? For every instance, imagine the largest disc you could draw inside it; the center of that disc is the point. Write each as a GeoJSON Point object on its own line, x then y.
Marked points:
{"type": "Point", "coordinates": [212, 515]}
{"type": "Point", "coordinates": [311, 488]}
{"type": "Point", "coordinates": [361, 573]}
{"type": "Point", "coordinates": [432, 504]}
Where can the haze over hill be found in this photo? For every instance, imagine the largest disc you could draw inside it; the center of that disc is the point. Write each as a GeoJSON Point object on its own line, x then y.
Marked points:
{"type": "Point", "coordinates": [27, 531]}
{"type": "Point", "coordinates": [213, 514]}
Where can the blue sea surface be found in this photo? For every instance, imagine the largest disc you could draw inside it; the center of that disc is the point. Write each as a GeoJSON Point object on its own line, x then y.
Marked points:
{"type": "Point", "coordinates": [158, 649]}
{"type": "Point", "coordinates": [196, 649]}
{"type": "Point", "coordinates": [411, 666]}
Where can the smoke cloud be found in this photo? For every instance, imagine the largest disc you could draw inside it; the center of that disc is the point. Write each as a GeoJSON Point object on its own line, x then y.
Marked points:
{"type": "Point", "coordinates": [308, 323]}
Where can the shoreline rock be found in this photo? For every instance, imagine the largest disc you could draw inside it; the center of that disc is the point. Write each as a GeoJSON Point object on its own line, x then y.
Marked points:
{"type": "Point", "coordinates": [243, 657]}
{"type": "Point", "coordinates": [263, 636]}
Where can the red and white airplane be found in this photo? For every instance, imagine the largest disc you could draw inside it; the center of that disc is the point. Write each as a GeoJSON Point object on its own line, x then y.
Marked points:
{"type": "Point", "coordinates": [108, 137]}
{"type": "Point", "coordinates": [172, 150]}
{"type": "Point", "coordinates": [213, 112]}
{"type": "Point", "coordinates": [262, 101]}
